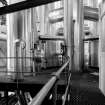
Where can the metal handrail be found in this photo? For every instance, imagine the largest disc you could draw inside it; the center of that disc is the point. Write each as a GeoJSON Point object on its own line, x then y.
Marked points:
{"type": "Point", "coordinates": [39, 98]}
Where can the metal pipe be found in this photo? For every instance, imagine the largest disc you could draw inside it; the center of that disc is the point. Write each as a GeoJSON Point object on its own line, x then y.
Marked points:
{"type": "Point", "coordinates": [62, 68]}
{"type": "Point", "coordinates": [38, 99]}
{"type": "Point", "coordinates": [54, 38]}
{"type": "Point", "coordinates": [43, 92]}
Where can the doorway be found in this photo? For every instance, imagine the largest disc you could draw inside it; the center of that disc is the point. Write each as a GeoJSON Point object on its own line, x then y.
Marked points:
{"type": "Point", "coordinates": [91, 55]}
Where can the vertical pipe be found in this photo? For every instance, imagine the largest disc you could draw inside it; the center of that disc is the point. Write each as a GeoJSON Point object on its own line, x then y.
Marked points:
{"type": "Point", "coordinates": [100, 46]}
{"type": "Point", "coordinates": [42, 20]}
{"type": "Point", "coordinates": [78, 34]}
{"type": "Point", "coordinates": [6, 96]}
{"type": "Point", "coordinates": [32, 20]}
{"type": "Point", "coordinates": [54, 94]}
{"type": "Point", "coordinates": [68, 22]}
{"type": "Point", "coordinates": [81, 43]}
{"type": "Point", "coordinates": [102, 49]}
{"type": "Point", "coordinates": [19, 65]}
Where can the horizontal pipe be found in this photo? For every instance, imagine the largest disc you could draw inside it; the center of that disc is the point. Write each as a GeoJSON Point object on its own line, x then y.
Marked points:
{"type": "Point", "coordinates": [90, 39]}
{"type": "Point", "coordinates": [55, 38]}
{"type": "Point", "coordinates": [88, 8]}
{"type": "Point", "coordinates": [91, 13]}
{"type": "Point", "coordinates": [58, 9]}
{"type": "Point", "coordinates": [91, 16]}
{"type": "Point", "coordinates": [44, 91]}
{"type": "Point", "coordinates": [23, 5]}
{"type": "Point", "coordinates": [62, 68]}
{"type": "Point", "coordinates": [38, 99]}
{"type": "Point", "coordinates": [56, 20]}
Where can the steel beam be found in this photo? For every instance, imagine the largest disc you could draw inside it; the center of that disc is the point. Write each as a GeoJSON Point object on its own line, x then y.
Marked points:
{"type": "Point", "coordinates": [23, 5]}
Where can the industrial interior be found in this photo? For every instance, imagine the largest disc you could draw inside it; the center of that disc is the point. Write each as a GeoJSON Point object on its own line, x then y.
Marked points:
{"type": "Point", "coordinates": [52, 52]}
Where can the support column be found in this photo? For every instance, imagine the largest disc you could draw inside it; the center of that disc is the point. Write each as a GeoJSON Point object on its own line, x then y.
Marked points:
{"type": "Point", "coordinates": [68, 22]}
{"type": "Point", "coordinates": [42, 20]}
{"type": "Point", "coordinates": [78, 34]}
{"type": "Point", "coordinates": [81, 44]}
{"type": "Point", "coordinates": [102, 49]}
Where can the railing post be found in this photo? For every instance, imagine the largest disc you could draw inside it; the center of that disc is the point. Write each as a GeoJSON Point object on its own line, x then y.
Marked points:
{"type": "Point", "coordinates": [6, 95]}
{"type": "Point", "coordinates": [54, 94]}
{"type": "Point", "coordinates": [67, 72]}
{"type": "Point", "coordinates": [68, 96]}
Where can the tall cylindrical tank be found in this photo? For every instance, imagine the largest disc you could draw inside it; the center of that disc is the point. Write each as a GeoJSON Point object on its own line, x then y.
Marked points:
{"type": "Point", "coordinates": [21, 29]}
